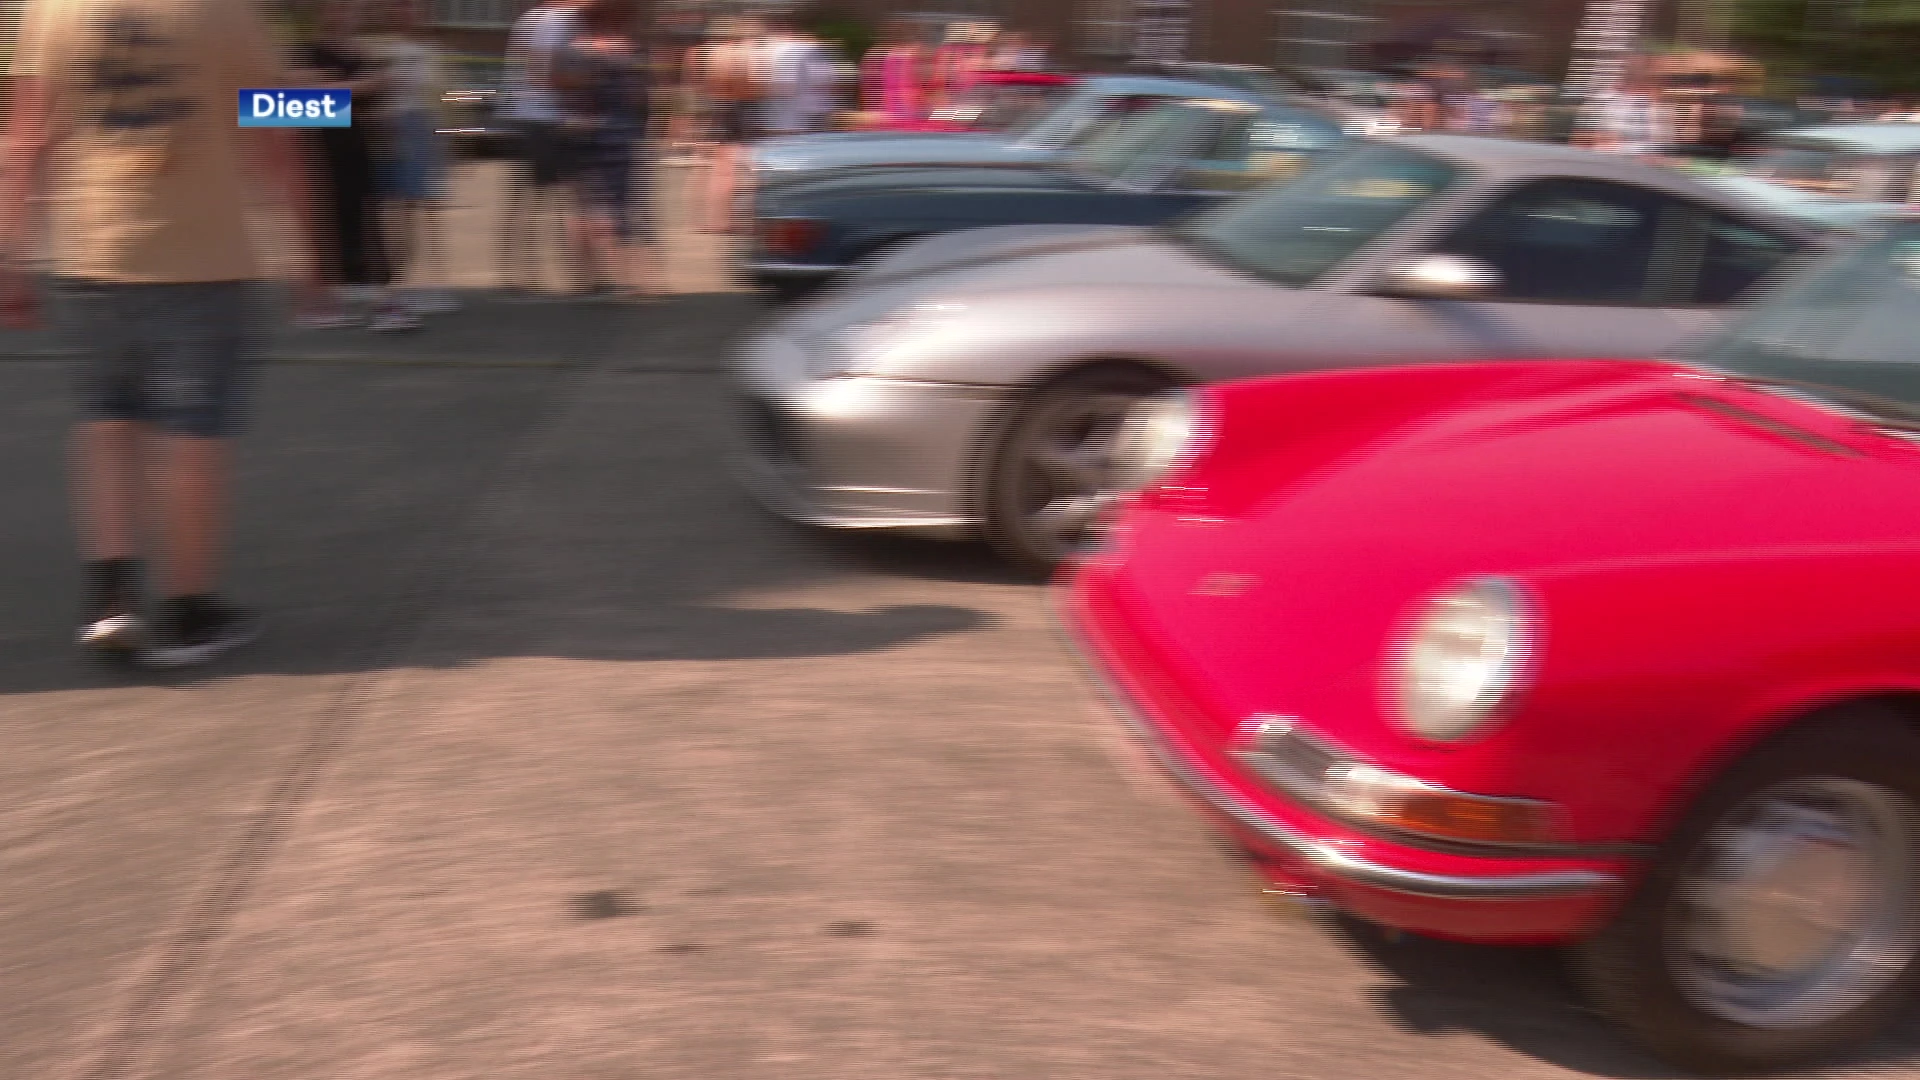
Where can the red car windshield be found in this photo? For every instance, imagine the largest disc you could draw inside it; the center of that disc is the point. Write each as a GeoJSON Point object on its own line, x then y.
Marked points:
{"type": "Point", "coordinates": [1848, 330]}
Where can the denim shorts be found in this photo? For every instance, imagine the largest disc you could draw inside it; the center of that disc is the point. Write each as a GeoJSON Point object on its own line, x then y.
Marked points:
{"type": "Point", "coordinates": [177, 356]}
{"type": "Point", "coordinates": [413, 169]}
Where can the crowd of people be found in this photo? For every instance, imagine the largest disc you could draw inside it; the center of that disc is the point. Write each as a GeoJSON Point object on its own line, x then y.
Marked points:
{"type": "Point", "coordinates": [1650, 110]}
{"type": "Point", "coordinates": [904, 79]}
{"type": "Point", "coordinates": [584, 96]}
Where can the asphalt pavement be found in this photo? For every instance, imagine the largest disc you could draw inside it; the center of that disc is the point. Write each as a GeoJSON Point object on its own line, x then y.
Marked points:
{"type": "Point", "coordinates": [561, 759]}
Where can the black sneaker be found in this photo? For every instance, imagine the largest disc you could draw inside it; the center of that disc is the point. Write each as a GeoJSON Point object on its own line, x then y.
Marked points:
{"type": "Point", "coordinates": [196, 629]}
{"type": "Point", "coordinates": [110, 623]}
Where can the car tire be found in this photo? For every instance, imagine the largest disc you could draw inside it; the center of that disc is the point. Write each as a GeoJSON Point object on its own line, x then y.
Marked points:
{"type": "Point", "coordinates": [1043, 481]}
{"type": "Point", "coordinates": [1687, 967]}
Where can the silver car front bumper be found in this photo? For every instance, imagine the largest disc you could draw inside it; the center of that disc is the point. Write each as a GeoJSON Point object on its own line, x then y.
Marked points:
{"type": "Point", "coordinates": [856, 452]}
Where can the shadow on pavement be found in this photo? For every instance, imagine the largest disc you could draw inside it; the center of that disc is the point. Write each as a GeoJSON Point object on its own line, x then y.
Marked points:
{"type": "Point", "coordinates": [363, 479]}
{"type": "Point", "coordinates": [1527, 1000]}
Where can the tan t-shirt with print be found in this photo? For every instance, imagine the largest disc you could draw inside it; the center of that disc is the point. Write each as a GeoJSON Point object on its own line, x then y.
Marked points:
{"type": "Point", "coordinates": [147, 172]}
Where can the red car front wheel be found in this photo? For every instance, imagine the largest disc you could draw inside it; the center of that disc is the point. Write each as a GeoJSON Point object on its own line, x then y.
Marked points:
{"type": "Point", "coordinates": [1781, 921]}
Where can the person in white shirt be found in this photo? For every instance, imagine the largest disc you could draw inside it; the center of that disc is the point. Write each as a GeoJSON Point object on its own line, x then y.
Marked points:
{"type": "Point", "coordinates": [535, 107]}
{"type": "Point", "coordinates": [1630, 118]}
{"type": "Point", "coordinates": [802, 78]}
{"type": "Point", "coordinates": [413, 174]}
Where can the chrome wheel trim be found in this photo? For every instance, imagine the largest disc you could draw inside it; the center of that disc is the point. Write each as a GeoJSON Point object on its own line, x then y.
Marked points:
{"type": "Point", "coordinates": [1066, 470]}
{"type": "Point", "coordinates": [1798, 906]}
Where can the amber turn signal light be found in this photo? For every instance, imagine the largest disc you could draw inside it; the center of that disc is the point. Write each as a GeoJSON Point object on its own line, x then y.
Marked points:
{"type": "Point", "coordinates": [1403, 804]}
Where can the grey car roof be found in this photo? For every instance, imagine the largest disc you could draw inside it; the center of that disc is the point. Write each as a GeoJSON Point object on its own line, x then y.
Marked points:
{"type": "Point", "coordinates": [1886, 138]}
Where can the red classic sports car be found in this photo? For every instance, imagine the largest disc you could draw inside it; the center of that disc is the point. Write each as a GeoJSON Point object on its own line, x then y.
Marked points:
{"type": "Point", "coordinates": [1622, 654]}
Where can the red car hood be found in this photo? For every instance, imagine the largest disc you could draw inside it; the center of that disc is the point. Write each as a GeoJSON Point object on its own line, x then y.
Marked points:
{"type": "Point", "coordinates": [1274, 577]}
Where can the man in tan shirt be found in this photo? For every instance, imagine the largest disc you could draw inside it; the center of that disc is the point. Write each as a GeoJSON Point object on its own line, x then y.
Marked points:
{"type": "Point", "coordinates": [125, 112]}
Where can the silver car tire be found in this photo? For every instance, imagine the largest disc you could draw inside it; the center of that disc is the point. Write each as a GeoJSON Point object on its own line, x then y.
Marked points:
{"type": "Point", "coordinates": [1050, 473]}
{"type": "Point", "coordinates": [1781, 920]}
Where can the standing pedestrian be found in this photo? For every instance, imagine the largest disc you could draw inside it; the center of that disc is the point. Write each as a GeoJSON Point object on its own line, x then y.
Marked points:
{"type": "Point", "coordinates": [679, 75]}
{"type": "Point", "coordinates": [413, 170]}
{"type": "Point", "coordinates": [540, 194]}
{"type": "Point", "coordinates": [734, 96]}
{"type": "Point", "coordinates": [125, 111]}
{"type": "Point", "coordinates": [1014, 51]}
{"type": "Point", "coordinates": [606, 74]}
{"type": "Point", "coordinates": [1628, 119]}
{"type": "Point", "coordinates": [892, 77]}
{"type": "Point", "coordinates": [358, 262]}
{"type": "Point", "coordinates": [800, 82]}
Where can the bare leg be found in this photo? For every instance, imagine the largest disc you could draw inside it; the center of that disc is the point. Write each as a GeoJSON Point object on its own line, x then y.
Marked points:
{"type": "Point", "coordinates": [721, 186]}
{"type": "Point", "coordinates": [517, 221]}
{"type": "Point", "coordinates": [433, 239]}
{"type": "Point", "coordinates": [195, 513]}
{"type": "Point", "coordinates": [107, 476]}
{"type": "Point", "coordinates": [579, 235]}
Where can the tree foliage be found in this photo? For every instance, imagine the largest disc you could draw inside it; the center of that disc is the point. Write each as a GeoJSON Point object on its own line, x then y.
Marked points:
{"type": "Point", "coordinates": [1874, 44]}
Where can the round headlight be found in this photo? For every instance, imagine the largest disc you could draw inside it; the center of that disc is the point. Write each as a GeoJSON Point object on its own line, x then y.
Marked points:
{"type": "Point", "coordinates": [1465, 659]}
{"type": "Point", "coordinates": [1158, 436]}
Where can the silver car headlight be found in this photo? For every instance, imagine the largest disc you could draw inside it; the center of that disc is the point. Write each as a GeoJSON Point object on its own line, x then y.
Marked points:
{"type": "Point", "coordinates": [1158, 436]}
{"type": "Point", "coordinates": [1465, 659]}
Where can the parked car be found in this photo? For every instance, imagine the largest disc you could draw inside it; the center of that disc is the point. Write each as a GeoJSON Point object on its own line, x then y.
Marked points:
{"type": "Point", "coordinates": [999, 101]}
{"type": "Point", "coordinates": [1619, 654]}
{"type": "Point", "coordinates": [1089, 103]}
{"type": "Point", "coordinates": [1149, 168]}
{"type": "Point", "coordinates": [1836, 175]}
{"type": "Point", "coordinates": [971, 383]}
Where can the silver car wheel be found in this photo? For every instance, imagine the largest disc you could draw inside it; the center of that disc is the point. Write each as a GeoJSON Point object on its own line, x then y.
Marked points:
{"type": "Point", "coordinates": [1797, 907]}
{"type": "Point", "coordinates": [1066, 472]}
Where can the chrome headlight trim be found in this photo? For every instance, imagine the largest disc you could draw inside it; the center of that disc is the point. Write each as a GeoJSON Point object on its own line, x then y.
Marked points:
{"type": "Point", "coordinates": [1160, 436]}
{"type": "Point", "coordinates": [1449, 692]}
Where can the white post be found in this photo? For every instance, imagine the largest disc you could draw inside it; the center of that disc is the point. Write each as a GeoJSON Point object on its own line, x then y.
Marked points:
{"type": "Point", "coordinates": [1608, 35]}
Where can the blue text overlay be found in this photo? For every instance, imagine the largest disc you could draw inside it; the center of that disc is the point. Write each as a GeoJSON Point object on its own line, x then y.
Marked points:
{"type": "Point", "coordinates": [296, 108]}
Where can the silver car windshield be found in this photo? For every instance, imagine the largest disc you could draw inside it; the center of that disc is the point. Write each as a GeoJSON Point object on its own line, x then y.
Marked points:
{"type": "Point", "coordinates": [1848, 331]}
{"type": "Point", "coordinates": [1297, 232]}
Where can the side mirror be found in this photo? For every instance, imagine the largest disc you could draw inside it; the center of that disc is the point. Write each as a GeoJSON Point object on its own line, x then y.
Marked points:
{"type": "Point", "coordinates": [1444, 277]}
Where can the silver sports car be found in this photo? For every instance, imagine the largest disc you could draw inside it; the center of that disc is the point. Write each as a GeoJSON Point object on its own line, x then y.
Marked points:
{"type": "Point", "coordinates": [973, 383]}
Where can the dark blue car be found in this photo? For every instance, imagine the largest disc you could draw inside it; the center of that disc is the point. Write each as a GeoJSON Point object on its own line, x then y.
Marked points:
{"type": "Point", "coordinates": [1142, 170]}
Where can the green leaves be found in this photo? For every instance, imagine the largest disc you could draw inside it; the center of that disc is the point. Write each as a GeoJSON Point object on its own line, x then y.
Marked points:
{"type": "Point", "coordinates": [1874, 41]}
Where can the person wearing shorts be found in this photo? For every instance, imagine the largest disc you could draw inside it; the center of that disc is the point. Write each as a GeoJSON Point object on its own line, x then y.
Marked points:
{"type": "Point", "coordinates": [733, 90]}
{"type": "Point", "coordinates": [549, 161]}
{"type": "Point", "coordinates": [610, 98]}
{"type": "Point", "coordinates": [153, 255]}
{"type": "Point", "coordinates": [412, 173]}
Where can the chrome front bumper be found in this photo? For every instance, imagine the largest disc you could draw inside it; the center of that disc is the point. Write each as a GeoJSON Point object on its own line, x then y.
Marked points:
{"type": "Point", "coordinates": [1320, 857]}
